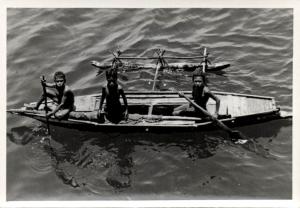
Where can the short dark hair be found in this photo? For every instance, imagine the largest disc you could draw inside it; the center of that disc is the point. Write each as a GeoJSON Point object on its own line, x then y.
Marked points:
{"type": "Point", "coordinates": [199, 73]}
{"type": "Point", "coordinates": [59, 74]}
{"type": "Point", "coordinates": [112, 74]}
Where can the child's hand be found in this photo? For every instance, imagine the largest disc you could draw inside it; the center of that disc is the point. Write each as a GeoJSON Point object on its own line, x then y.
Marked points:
{"type": "Point", "coordinates": [181, 94]}
{"type": "Point", "coordinates": [43, 82]}
{"type": "Point", "coordinates": [215, 116]}
{"type": "Point", "coordinates": [49, 114]}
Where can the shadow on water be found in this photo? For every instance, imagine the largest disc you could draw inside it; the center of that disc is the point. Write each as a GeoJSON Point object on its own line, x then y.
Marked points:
{"type": "Point", "coordinates": [92, 159]}
{"type": "Point", "coordinates": [104, 161]}
{"type": "Point", "coordinates": [21, 135]}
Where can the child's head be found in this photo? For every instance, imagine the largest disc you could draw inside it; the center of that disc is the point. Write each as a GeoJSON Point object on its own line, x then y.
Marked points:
{"type": "Point", "coordinates": [198, 81]}
{"type": "Point", "coordinates": [59, 78]}
{"type": "Point", "coordinates": [199, 78]}
{"type": "Point", "coordinates": [111, 77]}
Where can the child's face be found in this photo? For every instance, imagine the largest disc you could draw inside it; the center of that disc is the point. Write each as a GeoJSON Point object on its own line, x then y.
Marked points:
{"type": "Point", "coordinates": [111, 82]}
{"type": "Point", "coordinates": [59, 82]}
{"type": "Point", "coordinates": [198, 81]}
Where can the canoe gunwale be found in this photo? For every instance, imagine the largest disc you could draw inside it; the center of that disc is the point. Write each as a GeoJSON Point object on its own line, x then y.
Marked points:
{"type": "Point", "coordinates": [160, 120]}
{"type": "Point", "coordinates": [207, 125]}
{"type": "Point", "coordinates": [129, 93]}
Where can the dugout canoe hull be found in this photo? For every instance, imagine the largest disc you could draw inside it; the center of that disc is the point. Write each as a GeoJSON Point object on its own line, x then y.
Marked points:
{"type": "Point", "coordinates": [151, 111]}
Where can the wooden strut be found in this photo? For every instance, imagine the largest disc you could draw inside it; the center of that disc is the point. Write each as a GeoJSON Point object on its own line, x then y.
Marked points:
{"type": "Point", "coordinates": [159, 64]}
{"type": "Point", "coordinates": [204, 62]}
{"type": "Point", "coordinates": [155, 76]}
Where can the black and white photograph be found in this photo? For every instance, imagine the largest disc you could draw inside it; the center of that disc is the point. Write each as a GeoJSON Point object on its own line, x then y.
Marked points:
{"type": "Point", "coordinates": [149, 104]}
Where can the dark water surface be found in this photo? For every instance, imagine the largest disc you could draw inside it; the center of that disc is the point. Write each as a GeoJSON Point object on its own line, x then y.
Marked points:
{"type": "Point", "coordinates": [82, 165]}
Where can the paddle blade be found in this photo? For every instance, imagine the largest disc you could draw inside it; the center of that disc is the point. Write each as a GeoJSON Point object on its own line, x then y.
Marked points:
{"type": "Point", "coordinates": [238, 137]}
{"type": "Point", "coordinates": [253, 146]}
{"type": "Point", "coordinates": [241, 141]}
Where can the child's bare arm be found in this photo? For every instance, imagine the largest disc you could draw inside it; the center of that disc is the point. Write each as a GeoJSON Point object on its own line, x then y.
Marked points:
{"type": "Point", "coordinates": [48, 84]}
{"type": "Point", "coordinates": [215, 98]}
{"type": "Point", "coordinates": [103, 96]}
{"type": "Point", "coordinates": [124, 98]}
{"type": "Point", "coordinates": [125, 103]}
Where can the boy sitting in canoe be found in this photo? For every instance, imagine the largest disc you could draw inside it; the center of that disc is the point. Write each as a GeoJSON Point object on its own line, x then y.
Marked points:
{"type": "Point", "coordinates": [61, 94]}
{"type": "Point", "coordinates": [200, 95]}
{"type": "Point", "coordinates": [112, 92]}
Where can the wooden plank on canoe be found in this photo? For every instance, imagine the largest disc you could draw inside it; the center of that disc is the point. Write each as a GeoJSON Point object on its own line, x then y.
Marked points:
{"type": "Point", "coordinates": [267, 105]}
{"type": "Point", "coordinates": [228, 104]}
{"type": "Point", "coordinates": [137, 102]}
{"type": "Point", "coordinates": [158, 101]}
{"type": "Point", "coordinates": [130, 96]}
{"type": "Point", "coordinates": [136, 117]}
{"type": "Point", "coordinates": [143, 123]}
{"type": "Point", "coordinates": [142, 94]}
{"type": "Point", "coordinates": [223, 104]}
{"type": "Point", "coordinates": [259, 105]}
{"type": "Point", "coordinates": [211, 106]}
{"type": "Point", "coordinates": [236, 104]}
{"type": "Point", "coordinates": [153, 93]}
{"type": "Point", "coordinates": [85, 103]}
{"type": "Point", "coordinates": [170, 122]}
{"type": "Point", "coordinates": [243, 106]}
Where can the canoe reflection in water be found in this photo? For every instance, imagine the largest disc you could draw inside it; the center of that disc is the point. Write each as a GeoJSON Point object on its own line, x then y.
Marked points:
{"type": "Point", "coordinates": [98, 162]}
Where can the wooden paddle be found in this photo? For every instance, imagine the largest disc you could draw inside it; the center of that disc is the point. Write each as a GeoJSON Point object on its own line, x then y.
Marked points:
{"type": "Point", "coordinates": [234, 134]}
{"type": "Point", "coordinates": [46, 108]}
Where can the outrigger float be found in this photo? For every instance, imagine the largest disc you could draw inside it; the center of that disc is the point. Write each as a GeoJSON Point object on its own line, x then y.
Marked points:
{"type": "Point", "coordinates": [118, 61]}
{"type": "Point", "coordinates": [152, 110]}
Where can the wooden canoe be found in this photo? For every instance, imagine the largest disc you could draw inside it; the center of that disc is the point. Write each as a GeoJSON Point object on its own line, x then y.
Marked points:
{"type": "Point", "coordinates": [152, 111]}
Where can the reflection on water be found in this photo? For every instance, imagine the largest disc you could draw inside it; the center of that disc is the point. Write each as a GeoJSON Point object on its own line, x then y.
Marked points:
{"type": "Point", "coordinates": [96, 160]}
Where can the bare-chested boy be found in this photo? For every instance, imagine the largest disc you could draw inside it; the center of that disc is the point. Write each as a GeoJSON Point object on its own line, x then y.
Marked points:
{"type": "Point", "coordinates": [111, 93]}
{"type": "Point", "coordinates": [61, 94]}
{"type": "Point", "coordinates": [200, 95]}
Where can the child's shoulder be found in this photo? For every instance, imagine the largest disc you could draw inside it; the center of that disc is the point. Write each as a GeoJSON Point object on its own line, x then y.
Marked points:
{"type": "Point", "coordinates": [206, 89]}
{"type": "Point", "coordinates": [68, 88]}
{"type": "Point", "coordinates": [68, 91]}
{"type": "Point", "coordinates": [120, 87]}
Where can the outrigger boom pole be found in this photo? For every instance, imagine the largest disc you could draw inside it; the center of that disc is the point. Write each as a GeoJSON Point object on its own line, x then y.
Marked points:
{"type": "Point", "coordinates": [165, 57]}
